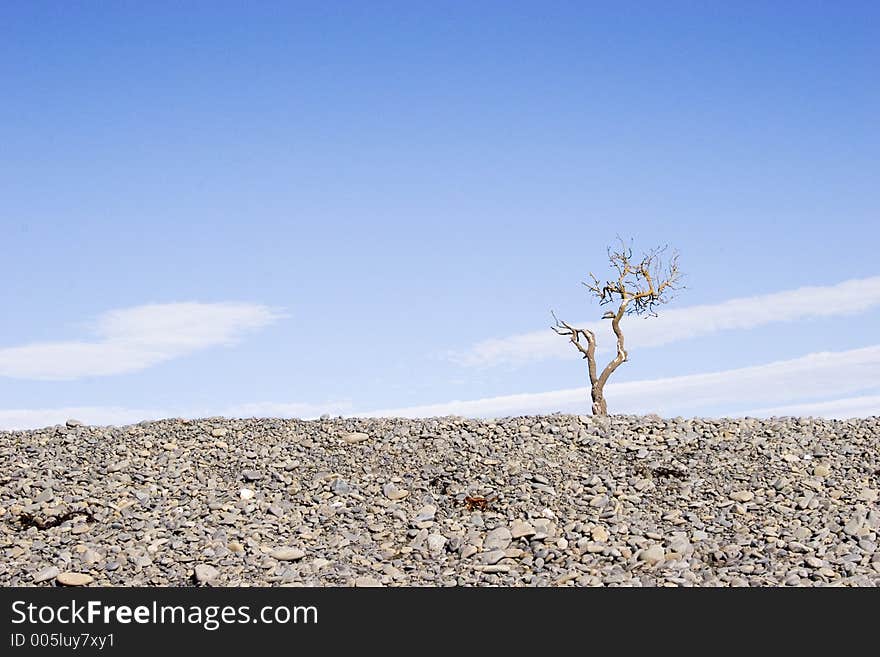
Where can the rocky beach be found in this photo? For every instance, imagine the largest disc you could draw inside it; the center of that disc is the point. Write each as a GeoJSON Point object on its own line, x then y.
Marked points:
{"type": "Point", "coordinates": [556, 500]}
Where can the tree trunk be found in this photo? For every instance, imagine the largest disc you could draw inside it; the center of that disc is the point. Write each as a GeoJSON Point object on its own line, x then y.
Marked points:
{"type": "Point", "coordinates": [599, 405]}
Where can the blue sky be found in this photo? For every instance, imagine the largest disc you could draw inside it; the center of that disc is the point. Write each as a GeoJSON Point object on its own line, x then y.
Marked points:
{"type": "Point", "coordinates": [291, 208]}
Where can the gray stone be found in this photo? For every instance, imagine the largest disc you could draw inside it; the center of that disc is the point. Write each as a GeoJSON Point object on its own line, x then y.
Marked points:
{"type": "Point", "coordinates": [46, 574]}
{"type": "Point", "coordinates": [520, 529]}
{"type": "Point", "coordinates": [497, 539]}
{"type": "Point", "coordinates": [426, 513]}
{"type": "Point", "coordinates": [492, 557]}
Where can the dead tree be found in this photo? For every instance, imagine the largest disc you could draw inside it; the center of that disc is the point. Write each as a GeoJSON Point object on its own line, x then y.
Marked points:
{"type": "Point", "coordinates": [638, 289]}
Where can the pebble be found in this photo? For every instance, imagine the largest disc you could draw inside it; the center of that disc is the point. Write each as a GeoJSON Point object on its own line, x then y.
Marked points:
{"type": "Point", "coordinates": [287, 554]}
{"type": "Point", "coordinates": [426, 514]}
{"type": "Point", "coordinates": [497, 539]}
{"type": "Point", "coordinates": [436, 543]}
{"type": "Point", "coordinates": [46, 574]}
{"type": "Point", "coordinates": [652, 555]}
{"type": "Point", "coordinates": [74, 579]}
{"type": "Point", "coordinates": [206, 573]}
{"type": "Point", "coordinates": [520, 529]}
{"type": "Point", "coordinates": [394, 493]}
{"type": "Point", "coordinates": [355, 437]}
{"type": "Point", "coordinates": [367, 582]}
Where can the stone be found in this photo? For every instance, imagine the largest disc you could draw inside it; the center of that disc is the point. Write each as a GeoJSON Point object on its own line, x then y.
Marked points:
{"type": "Point", "coordinates": [251, 475]}
{"type": "Point", "coordinates": [219, 432]}
{"type": "Point", "coordinates": [492, 557]}
{"type": "Point", "coordinates": [599, 534]}
{"type": "Point", "coordinates": [72, 424]}
{"type": "Point", "coordinates": [426, 513]}
{"type": "Point", "coordinates": [367, 582]}
{"type": "Point", "coordinates": [652, 555]}
{"type": "Point", "coordinates": [821, 470]}
{"type": "Point", "coordinates": [742, 496]}
{"type": "Point", "coordinates": [46, 574]}
{"type": "Point", "coordinates": [205, 573]}
{"type": "Point", "coordinates": [468, 551]}
{"type": "Point", "coordinates": [355, 437]}
{"type": "Point", "coordinates": [436, 543]}
{"type": "Point", "coordinates": [91, 557]}
{"type": "Point", "coordinates": [520, 529]}
{"type": "Point", "coordinates": [394, 493]}
{"type": "Point", "coordinates": [340, 487]}
{"type": "Point", "coordinates": [74, 579]}
{"type": "Point", "coordinates": [497, 539]}
{"type": "Point", "coordinates": [869, 495]}
{"type": "Point", "coordinates": [287, 554]}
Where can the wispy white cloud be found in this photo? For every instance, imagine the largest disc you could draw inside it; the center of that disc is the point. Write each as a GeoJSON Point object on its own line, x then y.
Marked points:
{"type": "Point", "coordinates": [796, 380]}
{"type": "Point", "coordinates": [851, 407]}
{"type": "Point", "coordinates": [847, 298]}
{"type": "Point", "coordinates": [12, 419]}
{"type": "Point", "coordinates": [132, 339]}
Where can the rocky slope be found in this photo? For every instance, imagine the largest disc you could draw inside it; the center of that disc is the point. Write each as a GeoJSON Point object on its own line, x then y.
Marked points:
{"type": "Point", "coordinates": [527, 501]}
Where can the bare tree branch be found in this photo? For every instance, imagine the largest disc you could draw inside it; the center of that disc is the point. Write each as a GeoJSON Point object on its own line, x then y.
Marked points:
{"type": "Point", "coordinates": [639, 287]}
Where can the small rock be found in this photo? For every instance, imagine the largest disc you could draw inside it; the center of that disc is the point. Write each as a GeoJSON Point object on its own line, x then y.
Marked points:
{"type": "Point", "coordinates": [497, 539]}
{"type": "Point", "coordinates": [742, 496]}
{"type": "Point", "coordinates": [74, 579]}
{"type": "Point", "coordinates": [72, 424]}
{"type": "Point", "coordinates": [394, 493]}
{"type": "Point", "coordinates": [367, 582]}
{"type": "Point", "coordinates": [599, 534]}
{"type": "Point", "coordinates": [868, 495]}
{"type": "Point", "coordinates": [653, 555]}
{"type": "Point", "coordinates": [468, 551]}
{"type": "Point", "coordinates": [340, 487]}
{"type": "Point", "coordinates": [520, 529]}
{"type": "Point", "coordinates": [219, 433]}
{"type": "Point", "coordinates": [492, 557]}
{"type": "Point", "coordinates": [821, 470]}
{"type": "Point", "coordinates": [436, 543]}
{"type": "Point", "coordinates": [287, 554]}
{"type": "Point", "coordinates": [426, 513]}
{"type": "Point", "coordinates": [46, 574]}
{"type": "Point", "coordinates": [251, 475]}
{"type": "Point", "coordinates": [205, 573]}
{"type": "Point", "coordinates": [246, 493]}
{"type": "Point", "coordinates": [355, 437]}
{"type": "Point", "coordinates": [90, 557]}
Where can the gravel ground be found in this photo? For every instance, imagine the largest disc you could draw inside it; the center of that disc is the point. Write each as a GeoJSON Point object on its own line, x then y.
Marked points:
{"type": "Point", "coordinates": [570, 501]}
